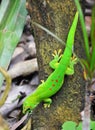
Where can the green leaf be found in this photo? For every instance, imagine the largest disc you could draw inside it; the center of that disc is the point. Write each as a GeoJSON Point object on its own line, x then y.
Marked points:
{"type": "Point", "coordinates": [3, 7]}
{"type": "Point", "coordinates": [92, 125]}
{"type": "Point", "coordinates": [69, 125]}
{"type": "Point", "coordinates": [79, 126]}
{"type": "Point", "coordinates": [85, 36]}
{"type": "Point", "coordinates": [92, 63]}
{"type": "Point", "coordinates": [93, 28]}
{"type": "Point", "coordinates": [12, 18]}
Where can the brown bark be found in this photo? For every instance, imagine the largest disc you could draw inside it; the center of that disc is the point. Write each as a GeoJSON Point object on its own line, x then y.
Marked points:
{"type": "Point", "coordinates": [57, 16]}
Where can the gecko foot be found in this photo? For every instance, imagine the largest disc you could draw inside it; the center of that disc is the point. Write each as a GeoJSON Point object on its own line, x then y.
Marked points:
{"type": "Point", "coordinates": [42, 81]}
{"type": "Point", "coordinates": [47, 103]}
{"type": "Point", "coordinates": [74, 59]}
{"type": "Point", "coordinates": [55, 62]}
{"type": "Point", "coordinates": [57, 54]}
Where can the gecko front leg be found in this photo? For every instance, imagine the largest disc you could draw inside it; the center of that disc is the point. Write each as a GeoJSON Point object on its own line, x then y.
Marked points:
{"type": "Point", "coordinates": [55, 62]}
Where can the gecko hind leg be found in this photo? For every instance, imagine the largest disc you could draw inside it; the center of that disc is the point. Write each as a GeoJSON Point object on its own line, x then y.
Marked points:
{"type": "Point", "coordinates": [55, 62]}
{"type": "Point", "coordinates": [47, 103]}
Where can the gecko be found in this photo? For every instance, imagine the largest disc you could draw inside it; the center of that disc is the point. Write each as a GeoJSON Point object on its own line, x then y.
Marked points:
{"type": "Point", "coordinates": [62, 65]}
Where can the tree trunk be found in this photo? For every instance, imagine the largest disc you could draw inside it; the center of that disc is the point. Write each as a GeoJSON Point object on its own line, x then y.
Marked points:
{"type": "Point", "coordinates": [57, 16]}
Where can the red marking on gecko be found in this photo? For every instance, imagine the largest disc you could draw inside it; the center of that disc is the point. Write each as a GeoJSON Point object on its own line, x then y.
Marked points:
{"type": "Point", "coordinates": [56, 80]}
{"type": "Point", "coordinates": [53, 85]}
{"type": "Point", "coordinates": [50, 88]}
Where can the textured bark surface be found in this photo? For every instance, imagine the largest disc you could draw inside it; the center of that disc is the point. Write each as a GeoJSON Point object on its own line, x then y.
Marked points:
{"type": "Point", "coordinates": [57, 16]}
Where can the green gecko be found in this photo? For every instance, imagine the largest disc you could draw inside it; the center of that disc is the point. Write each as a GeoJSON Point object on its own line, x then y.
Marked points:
{"type": "Point", "coordinates": [63, 65]}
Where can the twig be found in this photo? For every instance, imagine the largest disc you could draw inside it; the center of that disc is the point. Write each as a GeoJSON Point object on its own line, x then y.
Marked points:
{"type": "Point", "coordinates": [23, 68]}
{"type": "Point", "coordinates": [86, 120]}
{"type": "Point", "coordinates": [8, 86]}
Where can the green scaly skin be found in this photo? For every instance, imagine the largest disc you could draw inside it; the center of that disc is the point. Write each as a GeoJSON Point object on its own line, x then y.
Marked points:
{"type": "Point", "coordinates": [63, 65]}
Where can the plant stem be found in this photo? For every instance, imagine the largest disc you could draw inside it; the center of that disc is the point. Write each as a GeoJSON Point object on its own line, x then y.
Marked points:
{"type": "Point", "coordinates": [86, 120]}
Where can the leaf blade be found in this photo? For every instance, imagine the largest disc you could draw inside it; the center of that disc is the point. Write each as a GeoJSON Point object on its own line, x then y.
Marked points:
{"type": "Point", "coordinates": [11, 28]}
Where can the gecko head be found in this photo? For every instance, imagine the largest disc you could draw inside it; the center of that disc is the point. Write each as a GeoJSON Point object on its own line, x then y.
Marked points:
{"type": "Point", "coordinates": [28, 107]}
